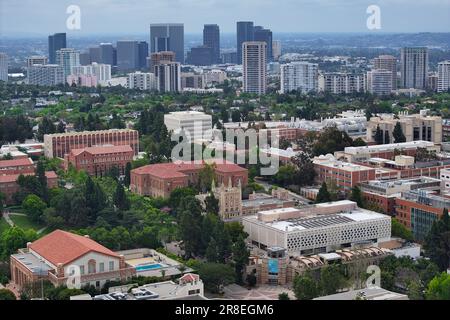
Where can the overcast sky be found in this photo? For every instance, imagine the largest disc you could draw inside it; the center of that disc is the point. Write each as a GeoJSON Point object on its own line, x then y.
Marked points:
{"type": "Point", "coordinates": [134, 16]}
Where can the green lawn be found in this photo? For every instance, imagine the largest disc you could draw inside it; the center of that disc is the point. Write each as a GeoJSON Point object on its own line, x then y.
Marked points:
{"type": "Point", "coordinates": [3, 225]}
{"type": "Point", "coordinates": [25, 223]}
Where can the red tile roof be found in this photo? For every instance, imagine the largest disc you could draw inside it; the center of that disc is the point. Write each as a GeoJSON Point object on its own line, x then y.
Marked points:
{"type": "Point", "coordinates": [13, 177]}
{"type": "Point", "coordinates": [103, 149]}
{"type": "Point", "coordinates": [65, 247]}
{"type": "Point", "coordinates": [174, 170]}
{"type": "Point", "coordinates": [189, 277]}
{"type": "Point", "coordinates": [16, 162]}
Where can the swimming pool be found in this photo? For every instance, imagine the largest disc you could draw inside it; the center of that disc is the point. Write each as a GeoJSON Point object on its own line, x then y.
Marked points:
{"type": "Point", "coordinates": [146, 267]}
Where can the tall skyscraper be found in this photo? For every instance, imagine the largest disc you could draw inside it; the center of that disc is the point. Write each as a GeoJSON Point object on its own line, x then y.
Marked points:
{"type": "Point", "coordinates": [414, 67]}
{"type": "Point", "coordinates": [200, 56]}
{"type": "Point", "coordinates": [127, 55]}
{"type": "Point", "coordinates": [261, 34]}
{"type": "Point", "coordinates": [55, 43]}
{"type": "Point", "coordinates": [67, 58]}
{"type": "Point", "coordinates": [95, 54]}
{"type": "Point", "coordinates": [168, 76]}
{"type": "Point", "coordinates": [379, 82]}
{"type": "Point", "coordinates": [254, 66]}
{"type": "Point", "coordinates": [211, 38]}
{"type": "Point", "coordinates": [443, 76]}
{"type": "Point", "coordinates": [107, 53]}
{"type": "Point", "coordinates": [3, 67]}
{"type": "Point", "coordinates": [143, 54]}
{"type": "Point", "coordinates": [244, 32]}
{"type": "Point", "coordinates": [168, 37]}
{"type": "Point", "coordinates": [276, 49]}
{"type": "Point", "coordinates": [299, 76]}
{"type": "Point", "coordinates": [387, 62]}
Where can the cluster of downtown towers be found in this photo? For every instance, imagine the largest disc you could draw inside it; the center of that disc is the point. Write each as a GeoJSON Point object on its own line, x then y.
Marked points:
{"type": "Point", "coordinates": [131, 55]}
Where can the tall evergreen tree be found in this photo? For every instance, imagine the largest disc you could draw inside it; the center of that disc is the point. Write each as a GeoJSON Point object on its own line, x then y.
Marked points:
{"type": "Point", "coordinates": [387, 139]}
{"type": "Point", "coordinates": [379, 139]}
{"type": "Point", "coordinates": [357, 197]}
{"type": "Point", "coordinates": [323, 195]}
{"type": "Point", "coordinates": [120, 198]}
{"type": "Point", "coordinates": [437, 242]}
{"type": "Point", "coordinates": [127, 179]}
{"type": "Point", "coordinates": [397, 133]}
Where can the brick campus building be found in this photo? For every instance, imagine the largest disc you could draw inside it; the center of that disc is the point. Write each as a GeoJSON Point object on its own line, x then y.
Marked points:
{"type": "Point", "coordinates": [59, 144]}
{"type": "Point", "coordinates": [159, 180]}
{"type": "Point", "coordinates": [97, 161]}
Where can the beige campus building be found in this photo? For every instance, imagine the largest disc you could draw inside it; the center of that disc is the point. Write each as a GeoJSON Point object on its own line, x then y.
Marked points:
{"type": "Point", "coordinates": [415, 127]}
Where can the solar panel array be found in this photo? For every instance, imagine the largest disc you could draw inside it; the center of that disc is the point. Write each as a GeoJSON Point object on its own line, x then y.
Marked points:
{"type": "Point", "coordinates": [320, 221]}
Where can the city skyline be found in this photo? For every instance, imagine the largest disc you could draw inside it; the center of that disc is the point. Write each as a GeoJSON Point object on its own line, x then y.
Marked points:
{"type": "Point", "coordinates": [282, 16]}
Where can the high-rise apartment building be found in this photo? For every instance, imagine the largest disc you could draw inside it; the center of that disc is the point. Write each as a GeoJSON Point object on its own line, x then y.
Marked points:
{"type": "Point", "coordinates": [414, 68]}
{"type": "Point", "coordinates": [168, 76]}
{"type": "Point", "coordinates": [3, 67]}
{"type": "Point", "coordinates": [211, 38]}
{"type": "Point", "coordinates": [299, 76]}
{"type": "Point", "coordinates": [443, 76]}
{"type": "Point", "coordinates": [265, 35]}
{"type": "Point", "coordinates": [127, 55]}
{"type": "Point", "coordinates": [244, 33]}
{"type": "Point", "coordinates": [341, 83]}
{"type": "Point", "coordinates": [379, 82]}
{"type": "Point", "coordinates": [45, 75]}
{"type": "Point", "coordinates": [31, 61]}
{"type": "Point", "coordinates": [107, 53]}
{"type": "Point", "coordinates": [387, 62]}
{"type": "Point", "coordinates": [55, 43]}
{"type": "Point", "coordinates": [101, 71]}
{"type": "Point", "coordinates": [168, 37]}
{"type": "Point", "coordinates": [141, 80]}
{"type": "Point", "coordinates": [254, 66]}
{"type": "Point", "coordinates": [67, 58]}
{"type": "Point", "coordinates": [158, 57]}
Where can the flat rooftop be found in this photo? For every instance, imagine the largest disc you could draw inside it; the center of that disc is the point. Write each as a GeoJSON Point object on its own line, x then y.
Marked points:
{"type": "Point", "coordinates": [32, 263]}
{"type": "Point", "coordinates": [373, 293]}
{"type": "Point", "coordinates": [186, 115]}
{"type": "Point", "coordinates": [388, 147]}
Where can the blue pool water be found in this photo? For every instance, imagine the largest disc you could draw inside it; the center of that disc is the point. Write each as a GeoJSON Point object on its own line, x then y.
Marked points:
{"type": "Point", "coordinates": [148, 267]}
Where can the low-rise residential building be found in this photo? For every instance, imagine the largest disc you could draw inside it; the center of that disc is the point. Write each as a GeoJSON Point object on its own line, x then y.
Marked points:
{"type": "Point", "coordinates": [316, 229]}
{"type": "Point", "coordinates": [98, 161]}
{"type": "Point", "coordinates": [159, 180]}
{"type": "Point", "coordinates": [64, 258]}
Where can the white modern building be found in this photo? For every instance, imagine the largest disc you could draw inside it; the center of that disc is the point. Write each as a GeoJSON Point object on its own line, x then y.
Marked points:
{"type": "Point", "coordinates": [443, 76]}
{"type": "Point", "coordinates": [254, 64]}
{"type": "Point", "coordinates": [299, 76]}
{"type": "Point", "coordinates": [3, 67]}
{"type": "Point", "coordinates": [214, 77]}
{"type": "Point", "coordinates": [316, 229]}
{"type": "Point", "coordinates": [67, 58]}
{"type": "Point", "coordinates": [379, 82]}
{"type": "Point", "coordinates": [141, 80]}
{"type": "Point", "coordinates": [444, 175]}
{"type": "Point", "coordinates": [193, 122]}
{"type": "Point", "coordinates": [341, 83]}
{"type": "Point", "coordinates": [101, 71]}
{"type": "Point", "coordinates": [45, 75]}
